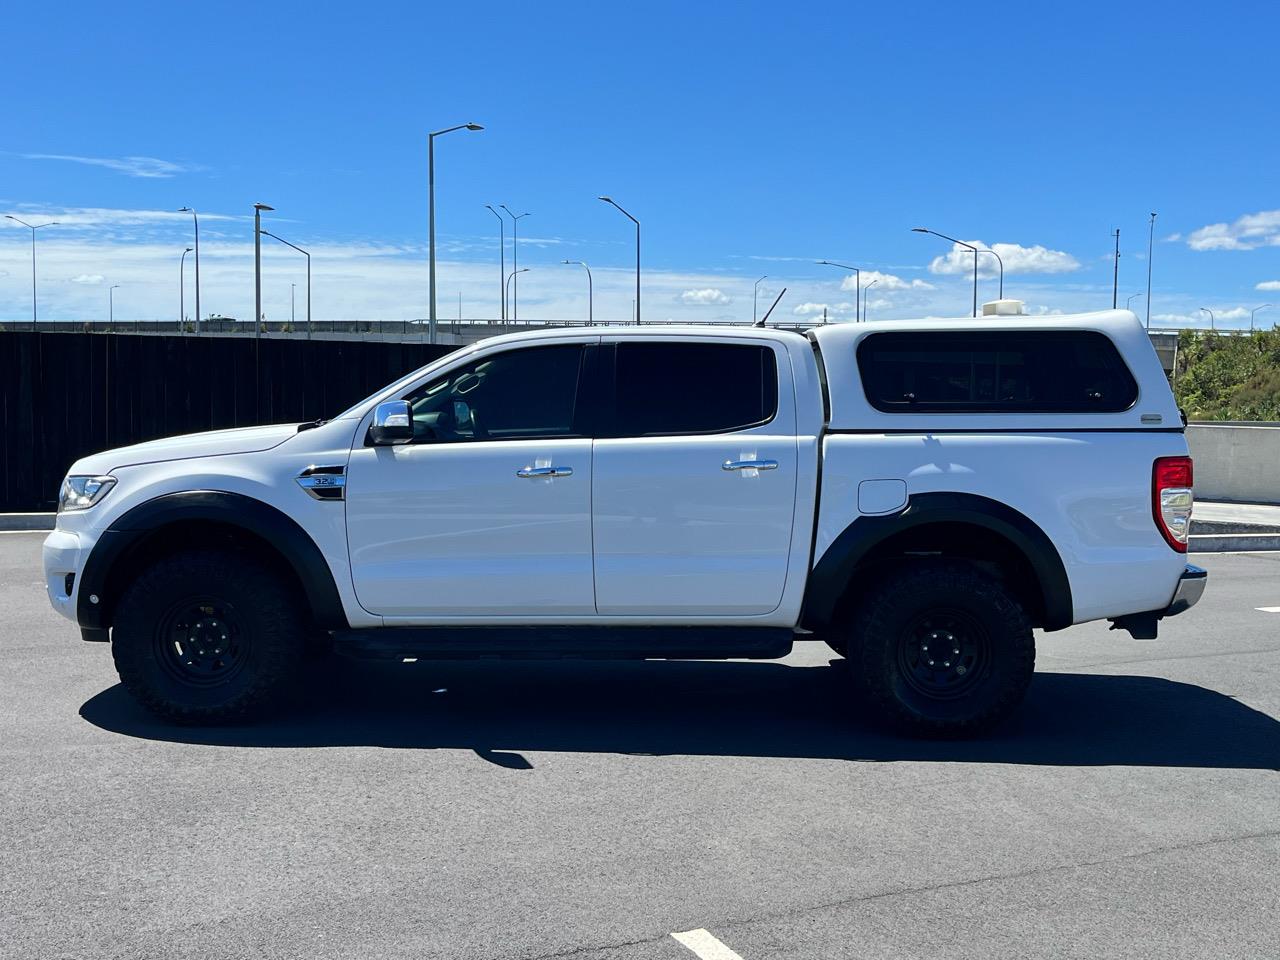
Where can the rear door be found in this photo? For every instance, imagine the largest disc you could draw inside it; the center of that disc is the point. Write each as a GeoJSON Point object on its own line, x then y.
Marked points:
{"type": "Point", "coordinates": [694, 483]}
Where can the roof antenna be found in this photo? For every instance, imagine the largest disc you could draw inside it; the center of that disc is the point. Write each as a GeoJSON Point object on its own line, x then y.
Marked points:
{"type": "Point", "coordinates": [760, 322]}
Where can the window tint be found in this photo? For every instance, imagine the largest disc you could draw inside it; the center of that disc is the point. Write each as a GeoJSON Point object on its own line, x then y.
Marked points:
{"type": "Point", "coordinates": [680, 388]}
{"type": "Point", "coordinates": [516, 395]}
{"type": "Point", "coordinates": [993, 371]}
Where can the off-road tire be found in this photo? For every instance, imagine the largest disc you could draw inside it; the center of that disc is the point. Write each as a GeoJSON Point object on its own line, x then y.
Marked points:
{"type": "Point", "coordinates": [252, 622]}
{"type": "Point", "coordinates": [903, 680]}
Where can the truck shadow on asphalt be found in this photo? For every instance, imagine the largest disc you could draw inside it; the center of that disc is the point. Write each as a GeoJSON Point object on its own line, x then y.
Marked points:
{"type": "Point", "coordinates": [501, 710]}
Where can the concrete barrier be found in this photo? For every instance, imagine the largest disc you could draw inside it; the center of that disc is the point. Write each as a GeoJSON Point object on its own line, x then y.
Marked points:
{"type": "Point", "coordinates": [1235, 461]}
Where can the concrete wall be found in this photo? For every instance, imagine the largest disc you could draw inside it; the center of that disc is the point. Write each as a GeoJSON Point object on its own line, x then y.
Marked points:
{"type": "Point", "coordinates": [1236, 461]}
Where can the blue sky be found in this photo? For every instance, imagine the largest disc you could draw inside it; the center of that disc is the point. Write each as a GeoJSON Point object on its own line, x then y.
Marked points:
{"type": "Point", "coordinates": [749, 139]}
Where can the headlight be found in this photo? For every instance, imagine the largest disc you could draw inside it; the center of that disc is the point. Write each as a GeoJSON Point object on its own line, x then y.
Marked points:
{"type": "Point", "coordinates": [81, 493]}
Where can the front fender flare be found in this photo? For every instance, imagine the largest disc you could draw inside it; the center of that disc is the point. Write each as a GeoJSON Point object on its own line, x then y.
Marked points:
{"type": "Point", "coordinates": [219, 506]}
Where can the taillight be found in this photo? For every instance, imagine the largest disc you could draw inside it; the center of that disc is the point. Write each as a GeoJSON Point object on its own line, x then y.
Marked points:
{"type": "Point", "coordinates": [1171, 499]}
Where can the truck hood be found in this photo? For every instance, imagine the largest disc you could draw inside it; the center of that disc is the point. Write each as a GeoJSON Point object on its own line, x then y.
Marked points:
{"type": "Point", "coordinates": [215, 443]}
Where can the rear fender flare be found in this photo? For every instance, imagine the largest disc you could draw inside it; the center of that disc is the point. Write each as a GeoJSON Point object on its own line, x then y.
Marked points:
{"type": "Point", "coordinates": [832, 574]}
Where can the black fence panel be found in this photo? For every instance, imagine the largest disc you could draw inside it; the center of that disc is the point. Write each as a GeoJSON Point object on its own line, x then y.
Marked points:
{"type": "Point", "coordinates": [65, 395]}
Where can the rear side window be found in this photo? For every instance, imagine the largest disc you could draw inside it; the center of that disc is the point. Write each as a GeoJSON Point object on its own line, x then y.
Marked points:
{"type": "Point", "coordinates": [1051, 371]}
{"type": "Point", "coordinates": [683, 388]}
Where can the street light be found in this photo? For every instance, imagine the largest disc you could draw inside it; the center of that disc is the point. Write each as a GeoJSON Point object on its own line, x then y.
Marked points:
{"type": "Point", "coordinates": [511, 276]}
{"type": "Point", "coordinates": [613, 203]}
{"type": "Point", "coordinates": [866, 304]}
{"type": "Point", "coordinates": [182, 293]}
{"type": "Point", "coordinates": [257, 266]}
{"type": "Point", "coordinates": [1255, 310]}
{"type": "Point", "coordinates": [308, 256]}
{"type": "Point", "coordinates": [591, 310]}
{"type": "Point", "coordinates": [293, 316]}
{"type": "Point", "coordinates": [515, 260]}
{"type": "Point", "coordinates": [1129, 300]}
{"type": "Point", "coordinates": [1001, 262]}
{"type": "Point", "coordinates": [1151, 234]}
{"type": "Point", "coordinates": [196, 221]}
{"type": "Point", "coordinates": [975, 261]}
{"type": "Point", "coordinates": [502, 261]}
{"type": "Point", "coordinates": [1210, 313]}
{"type": "Point", "coordinates": [755, 291]}
{"type": "Point", "coordinates": [857, 281]}
{"type": "Point", "coordinates": [431, 211]}
{"type": "Point", "coordinates": [111, 305]}
{"type": "Point", "coordinates": [33, 229]}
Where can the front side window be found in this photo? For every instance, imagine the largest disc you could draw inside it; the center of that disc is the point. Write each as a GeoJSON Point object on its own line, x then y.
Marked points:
{"type": "Point", "coordinates": [516, 395]}
{"type": "Point", "coordinates": [1051, 371]}
{"type": "Point", "coordinates": [671, 388]}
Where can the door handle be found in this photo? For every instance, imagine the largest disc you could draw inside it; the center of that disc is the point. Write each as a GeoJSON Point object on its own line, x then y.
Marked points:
{"type": "Point", "coordinates": [535, 472]}
{"type": "Point", "coordinates": [750, 465]}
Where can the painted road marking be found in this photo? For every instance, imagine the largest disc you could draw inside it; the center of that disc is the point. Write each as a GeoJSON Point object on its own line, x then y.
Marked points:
{"type": "Point", "coordinates": [705, 945]}
{"type": "Point", "coordinates": [1268, 609]}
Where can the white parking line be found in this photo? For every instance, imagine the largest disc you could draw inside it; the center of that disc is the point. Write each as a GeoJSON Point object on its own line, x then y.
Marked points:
{"type": "Point", "coordinates": [1268, 609]}
{"type": "Point", "coordinates": [705, 945]}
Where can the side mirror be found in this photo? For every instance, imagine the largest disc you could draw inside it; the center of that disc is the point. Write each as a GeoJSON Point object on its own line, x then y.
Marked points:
{"type": "Point", "coordinates": [392, 424]}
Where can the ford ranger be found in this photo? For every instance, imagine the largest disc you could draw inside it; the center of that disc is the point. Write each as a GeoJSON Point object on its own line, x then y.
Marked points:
{"type": "Point", "coordinates": [919, 495]}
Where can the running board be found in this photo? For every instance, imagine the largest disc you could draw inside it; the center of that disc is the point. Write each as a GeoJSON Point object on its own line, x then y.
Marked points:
{"type": "Point", "coordinates": [565, 642]}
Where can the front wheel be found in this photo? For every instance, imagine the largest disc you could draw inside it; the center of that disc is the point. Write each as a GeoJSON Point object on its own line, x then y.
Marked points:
{"type": "Point", "coordinates": [207, 636]}
{"type": "Point", "coordinates": [942, 650]}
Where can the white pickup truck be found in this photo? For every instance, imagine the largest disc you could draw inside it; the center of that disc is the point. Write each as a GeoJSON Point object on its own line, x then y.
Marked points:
{"type": "Point", "coordinates": [919, 495]}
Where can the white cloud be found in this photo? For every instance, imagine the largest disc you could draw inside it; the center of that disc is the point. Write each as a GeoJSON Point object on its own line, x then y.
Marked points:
{"type": "Point", "coordinates": [1268, 285]}
{"type": "Point", "coordinates": [89, 217]}
{"type": "Point", "coordinates": [705, 296]}
{"type": "Point", "coordinates": [148, 167]}
{"type": "Point", "coordinates": [809, 309]}
{"type": "Point", "coordinates": [884, 281]}
{"type": "Point", "coordinates": [88, 278]}
{"type": "Point", "coordinates": [1017, 259]}
{"type": "Point", "coordinates": [1261, 229]}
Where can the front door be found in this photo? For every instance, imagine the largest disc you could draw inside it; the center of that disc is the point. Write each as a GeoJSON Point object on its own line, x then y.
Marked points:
{"type": "Point", "coordinates": [694, 493]}
{"type": "Point", "coordinates": [487, 513]}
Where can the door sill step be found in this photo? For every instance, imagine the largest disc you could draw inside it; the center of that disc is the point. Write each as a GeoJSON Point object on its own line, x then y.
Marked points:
{"type": "Point", "coordinates": [565, 642]}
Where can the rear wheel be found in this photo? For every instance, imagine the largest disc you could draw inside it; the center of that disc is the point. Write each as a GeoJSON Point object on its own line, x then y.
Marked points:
{"type": "Point", "coordinates": [207, 637]}
{"type": "Point", "coordinates": [942, 650]}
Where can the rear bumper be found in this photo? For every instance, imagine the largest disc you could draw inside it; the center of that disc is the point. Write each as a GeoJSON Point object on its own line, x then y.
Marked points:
{"type": "Point", "coordinates": [1190, 589]}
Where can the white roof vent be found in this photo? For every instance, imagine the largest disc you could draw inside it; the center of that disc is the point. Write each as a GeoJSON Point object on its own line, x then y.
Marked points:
{"type": "Point", "coordinates": [1002, 308]}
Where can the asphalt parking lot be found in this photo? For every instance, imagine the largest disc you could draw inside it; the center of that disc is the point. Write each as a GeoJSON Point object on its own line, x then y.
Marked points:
{"type": "Point", "coordinates": [545, 810]}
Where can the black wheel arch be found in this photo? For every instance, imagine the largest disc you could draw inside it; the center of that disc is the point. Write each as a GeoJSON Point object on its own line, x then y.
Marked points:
{"type": "Point", "coordinates": [990, 526]}
{"type": "Point", "coordinates": [160, 524]}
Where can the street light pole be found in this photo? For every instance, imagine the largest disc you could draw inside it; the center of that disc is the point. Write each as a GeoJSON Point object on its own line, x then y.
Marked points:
{"type": "Point", "coordinates": [1150, 239]}
{"type": "Point", "coordinates": [502, 262]}
{"type": "Point", "coordinates": [591, 310]}
{"type": "Point", "coordinates": [511, 276]}
{"type": "Point", "coordinates": [196, 222]}
{"type": "Point", "coordinates": [1210, 313]}
{"type": "Point", "coordinates": [1129, 299]}
{"type": "Point", "coordinates": [431, 213]}
{"type": "Point", "coordinates": [293, 316]}
{"type": "Point", "coordinates": [1115, 272]}
{"type": "Point", "coordinates": [611, 202]}
{"type": "Point", "coordinates": [866, 304]}
{"type": "Point", "coordinates": [182, 292]}
{"type": "Point", "coordinates": [755, 292]}
{"type": "Point", "coordinates": [999, 261]}
{"type": "Point", "coordinates": [111, 305]}
{"type": "Point", "coordinates": [961, 243]}
{"type": "Point", "coordinates": [33, 229]}
{"type": "Point", "coordinates": [1253, 311]}
{"type": "Point", "coordinates": [268, 233]}
{"type": "Point", "coordinates": [857, 285]}
{"type": "Point", "coordinates": [257, 266]}
{"type": "Point", "coordinates": [514, 299]}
